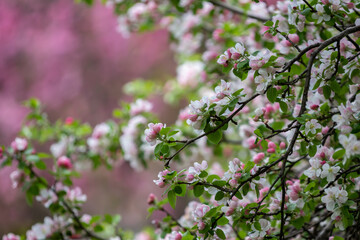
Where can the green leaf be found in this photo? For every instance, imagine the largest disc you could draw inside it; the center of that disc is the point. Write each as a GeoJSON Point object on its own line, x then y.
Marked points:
{"type": "Point", "coordinates": [187, 236]}
{"type": "Point", "coordinates": [223, 221]}
{"type": "Point", "coordinates": [283, 106]}
{"type": "Point", "coordinates": [219, 183]}
{"type": "Point", "coordinates": [257, 226]}
{"type": "Point", "coordinates": [98, 228]}
{"type": "Point", "coordinates": [326, 91]}
{"type": "Point", "coordinates": [312, 150]}
{"type": "Point", "coordinates": [203, 174]}
{"type": "Point", "coordinates": [219, 195]}
{"type": "Point", "coordinates": [245, 189]}
{"type": "Point", "coordinates": [339, 154]}
{"type": "Point", "coordinates": [220, 233]}
{"type": "Point", "coordinates": [271, 94]}
{"type": "Point", "coordinates": [215, 137]}
{"type": "Point", "coordinates": [40, 165]}
{"type": "Point", "coordinates": [165, 130]}
{"type": "Point", "coordinates": [299, 222]}
{"type": "Point", "coordinates": [172, 198]}
{"type": "Point", "coordinates": [310, 186]}
{"type": "Point", "coordinates": [33, 158]}
{"type": "Point", "coordinates": [198, 190]}
{"type": "Point", "coordinates": [172, 133]}
{"type": "Point", "coordinates": [180, 190]}
{"type": "Point", "coordinates": [269, 24]}
{"type": "Point", "coordinates": [212, 177]}
{"type": "Point", "coordinates": [258, 133]}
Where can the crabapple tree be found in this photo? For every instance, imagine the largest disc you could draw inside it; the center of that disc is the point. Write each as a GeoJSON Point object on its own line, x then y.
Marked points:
{"type": "Point", "coordinates": [267, 148]}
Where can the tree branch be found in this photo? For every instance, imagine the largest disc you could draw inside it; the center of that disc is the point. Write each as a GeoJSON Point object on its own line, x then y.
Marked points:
{"type": "Point", "coordinates": [237, 10]}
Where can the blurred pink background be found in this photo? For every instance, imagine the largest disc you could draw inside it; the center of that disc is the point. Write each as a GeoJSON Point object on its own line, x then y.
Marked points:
{"type": "Point", "coordinates": [71, 58]}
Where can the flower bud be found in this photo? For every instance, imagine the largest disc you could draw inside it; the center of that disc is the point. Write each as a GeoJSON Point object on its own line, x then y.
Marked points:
{"type": "Point", "coordinates": [64, 162]}
{"type": "Point", "coordinates": [271, 145]}
{"type": "Point", "coordinates": [271, 150]}
{"type": "Point", "coordinates": [151, 199]}
{"type": "Point", "coordinates": [69, 121]}
{"type": "Point", "coordinates": [233, 182]}
{"type": "Point", "coordinates": [294, 38]}
{"type": "Point", "coordinates": [189, 177]}
{"type": "Point", "coordinates": [325, 130]}
{"type": "Point", "coordinates": [258, 157]}
{"type": "Point", "coordinates": [314, 107]}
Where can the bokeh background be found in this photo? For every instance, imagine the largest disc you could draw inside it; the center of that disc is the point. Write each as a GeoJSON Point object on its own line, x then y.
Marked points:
{"type": "Point", "coordinates": [71, 58]}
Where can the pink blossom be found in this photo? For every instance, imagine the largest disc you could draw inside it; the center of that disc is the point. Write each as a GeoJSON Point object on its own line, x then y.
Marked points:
{"type": "Point", "coordinates": [161, 181]}
{"type": "Point", "coordinates": [19, 144]}
{"type": "Point", "coordinates": [11, 236]}
{"type": "Point", "coordinates": [140, 106]}
{"type": "Point", "coordinates": [200, 211]}
{"type": "Point", "coordinates": [17, 178]}
{"type": "Point", "coordinates": [152, 132]}
{"type": "Point", "coordinates": [217, 34]}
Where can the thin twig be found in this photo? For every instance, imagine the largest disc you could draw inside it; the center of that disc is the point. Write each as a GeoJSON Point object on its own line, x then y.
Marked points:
{"type": "Point", "coordinates": [237, 10]}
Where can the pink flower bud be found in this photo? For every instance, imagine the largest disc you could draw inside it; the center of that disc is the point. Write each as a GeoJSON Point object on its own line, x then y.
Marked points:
{"type": "Point", "coordinates": [286, 43]}
{"type": "Point", "coordinates": [235, 56]}
{"type": "Point", "coordinates": [178, 236]}
{"type": "Point", "coordinates": [294, 38]}
{"type": "Point", "coordinates": [229, 212]}
{"type": "Point", "coordinates": [323, 162]}
{"type": "Point", "coordinates": [314, 107]}
{"type": "Point", "coordinates": [229, 53]}
{"type": "Point", "coordinates": [322, 155]}
{"type": "Point", "coordinates": [269, 108]}
{"type": "Point", "coordinates": [216, 34]}
{"type": "Point", "coordinates": [350, 5]}
{"type": "Point", "coordinates": [151, 199]}
{"type": "Point", "coordinates": [64, 162]}
{"type": "Point", "coordinates": [251, 142]}
{"type": "Point", "coordinates": [201, 225]}
{"type": "Point", "coordinates": [294, 195]}
{"type": "Point", "coordinates": [325, 130]}
{"type": "Point", "coordinates": [325, 2]}
{"type": "Point", "coordinates": [266, 35]}
{"type": "Point", "coordinates": [237, 175]}
{"type": "Point", "coordinates": [233, 183]}
{"type": "Point", "coordinates": [289, 182]}
{"type": "Point", "coordinates": [69, 121]}
{"type": "Point", "coordinates": [161, 184]}
{"type": "Point", "coordinates": [271, 145]}
{"type": "Point", "coordinates": [282, 145]}
{"type": "Point", "coordinates": [190, 177]}
{"type": "Point", "coordinates": [258, 157]}
{"type": "Point", "coordinates": [271, 150]}
{"type": "Point", "coordinates": [193, 117]}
